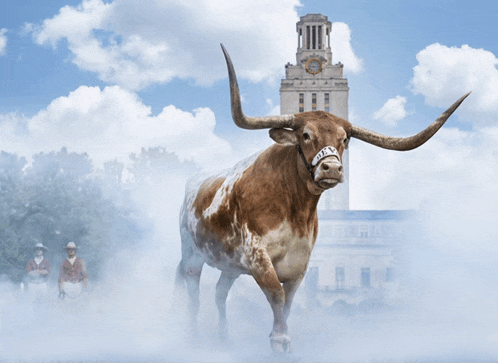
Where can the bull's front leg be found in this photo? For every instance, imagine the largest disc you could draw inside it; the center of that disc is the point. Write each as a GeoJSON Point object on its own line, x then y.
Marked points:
{"type": "Point", "coordinates": [264, 273]}
{"type": "Point", "coordinates": [290, 289]}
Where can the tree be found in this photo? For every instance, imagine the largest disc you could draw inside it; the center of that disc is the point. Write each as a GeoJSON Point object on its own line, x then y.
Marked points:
{"type": "Point", "coordinates": [155, 164]}
{"type": "Point", "coordinates": [12, 212]}
{"type": "Point", "coordinates": [56, 200]}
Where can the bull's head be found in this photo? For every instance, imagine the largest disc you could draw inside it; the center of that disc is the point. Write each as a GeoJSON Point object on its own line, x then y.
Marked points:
{"type": "Point", "coordinates": [321, 138]}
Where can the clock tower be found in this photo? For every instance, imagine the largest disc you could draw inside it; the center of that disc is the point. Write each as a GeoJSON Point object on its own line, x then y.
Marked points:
{"type": "Point", "coordinates": [316, 84]}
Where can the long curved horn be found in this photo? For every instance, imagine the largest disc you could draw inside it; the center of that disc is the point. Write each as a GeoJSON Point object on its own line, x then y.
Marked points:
{"type": "Point", "coordinates": [238, 116]}
{"type": "Point", "coordinates": [406, 143]}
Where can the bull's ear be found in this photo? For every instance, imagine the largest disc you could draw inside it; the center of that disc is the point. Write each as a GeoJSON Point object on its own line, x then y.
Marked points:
{"type": "Point", "coordinates": [284, 136]}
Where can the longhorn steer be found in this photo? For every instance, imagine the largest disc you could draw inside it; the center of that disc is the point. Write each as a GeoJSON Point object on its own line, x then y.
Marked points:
{"type": "Point", "coordinates": [260, 218]}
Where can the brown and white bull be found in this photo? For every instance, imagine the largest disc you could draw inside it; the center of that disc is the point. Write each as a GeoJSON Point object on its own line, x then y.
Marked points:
{"type": "Point", "coordinates": [260, 218]}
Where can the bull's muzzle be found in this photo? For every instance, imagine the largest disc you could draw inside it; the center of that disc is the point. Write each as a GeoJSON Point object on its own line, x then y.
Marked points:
{"type": "Point", "coordinates": [329, 172]}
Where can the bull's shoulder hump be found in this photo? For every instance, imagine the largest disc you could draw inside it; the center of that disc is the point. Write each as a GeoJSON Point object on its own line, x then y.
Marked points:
{"type": "Point", "coordinates": [206, 193]}
{"type": "Point", "coordinates": [209, 193]}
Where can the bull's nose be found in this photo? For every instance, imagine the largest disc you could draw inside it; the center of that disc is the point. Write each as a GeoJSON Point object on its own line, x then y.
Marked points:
{"type": "Point", "coordinates": [332, 165]}
{"type": "Point", "coordinates": [329, 173]}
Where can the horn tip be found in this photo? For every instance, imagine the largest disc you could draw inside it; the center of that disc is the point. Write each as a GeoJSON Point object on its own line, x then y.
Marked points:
{"type": "Point", "coordinates": [461, 99]}
{"type": "Point", "coordinates": [225, 53]}
{"type": "Point", "coordinates": [223, 49]}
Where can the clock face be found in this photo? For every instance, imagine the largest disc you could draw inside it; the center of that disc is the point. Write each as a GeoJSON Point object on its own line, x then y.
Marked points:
{"type": "Point", "coordinates": [314, 66]}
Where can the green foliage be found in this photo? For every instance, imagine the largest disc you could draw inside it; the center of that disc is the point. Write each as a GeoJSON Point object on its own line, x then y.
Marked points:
{"type": "Point", "coordinates": [152, 164]}
{"type": "Point", "coordinates": [56, 200]}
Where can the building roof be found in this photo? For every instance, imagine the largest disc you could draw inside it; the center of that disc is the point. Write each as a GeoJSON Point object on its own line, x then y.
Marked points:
{"type": "Point", "coordinates": [314, 17]}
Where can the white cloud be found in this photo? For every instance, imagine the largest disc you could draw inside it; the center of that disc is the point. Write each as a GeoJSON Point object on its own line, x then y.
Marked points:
{"type": "Point", "coordinates": [392, 111]}
{"type": "Point", "coordinates": [3, 41]}
{"type": "Point", "coordinates": [444, 74]}
{"type": "Point", "coordinates": [451, 177]}
{"type": "Point", "coordinates": [112, 123]}
{"type": "Point", "coordinates": [274, 110]}
{"type": "Point", "coordinates": [134, 44]}
{"type": "Point", "coordinates": [342, 51]}
{"type": "Point", "coordinates": [353, 116]}
{"type": "Point", "coordinates": [453, 166]}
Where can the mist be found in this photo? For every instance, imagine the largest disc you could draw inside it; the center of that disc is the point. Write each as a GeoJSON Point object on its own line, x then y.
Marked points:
{"type": "Point", "coordinates": [444, 306]}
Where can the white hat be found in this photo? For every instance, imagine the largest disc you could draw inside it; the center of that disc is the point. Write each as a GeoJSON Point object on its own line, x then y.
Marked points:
{"type": "Point", "coordinates": [71, 245]}
{"type": "Point", "coordinates": [41, 246]}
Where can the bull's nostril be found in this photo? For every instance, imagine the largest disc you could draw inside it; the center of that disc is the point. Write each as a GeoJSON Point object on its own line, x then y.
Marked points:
{"type": "Point", "coordinates": [325, 167]}
{"type": "Point", "coordinates": [340, 168]}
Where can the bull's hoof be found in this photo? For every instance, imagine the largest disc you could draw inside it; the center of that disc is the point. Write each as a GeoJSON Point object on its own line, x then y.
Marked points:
{"type": "Point", "coordinates": [280, 343]}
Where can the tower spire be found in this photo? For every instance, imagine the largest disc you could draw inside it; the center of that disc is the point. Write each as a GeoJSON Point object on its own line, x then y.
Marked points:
{"type": "Point", "coordinates": [313, 37]}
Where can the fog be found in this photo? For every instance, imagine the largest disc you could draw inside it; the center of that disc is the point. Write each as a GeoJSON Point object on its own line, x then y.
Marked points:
{"type": "Point", "coordinates": [443, 308]}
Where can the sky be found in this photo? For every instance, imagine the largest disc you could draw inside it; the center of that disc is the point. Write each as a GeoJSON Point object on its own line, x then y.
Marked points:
{"type": "Point", "coordinates": [111, 77]}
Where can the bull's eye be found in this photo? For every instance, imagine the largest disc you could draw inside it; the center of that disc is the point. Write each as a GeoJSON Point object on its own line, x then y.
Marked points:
{"type": "Point", "coordinates": [306, 136]}
{"type": "Point", "coordinates": [345, 141]}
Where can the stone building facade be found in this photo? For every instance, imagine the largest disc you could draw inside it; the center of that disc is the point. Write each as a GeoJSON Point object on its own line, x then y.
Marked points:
{"type": "Point", "coordinates": [314, 82]}
{"type": "Point", "coordinates": [356, 256]}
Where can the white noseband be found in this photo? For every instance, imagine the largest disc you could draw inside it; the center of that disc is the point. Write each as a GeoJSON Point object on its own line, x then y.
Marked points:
{"type": "Point", "coordinates": [325, 152]}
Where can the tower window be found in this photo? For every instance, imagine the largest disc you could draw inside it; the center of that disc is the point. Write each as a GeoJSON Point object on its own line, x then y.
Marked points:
{"type": "Point", "coordinates": [364, 231]}
{"type": "Point", "coordinates": [308, 37]}
{"type": "Point", "coordinates": [313, 102]}
{"type": "Point", "coordinates": [319, 37]}
{"type": "Point", "coordinates": [301, 102]}
{"type": "Point", "coordinates": [326, 102]}
{"type": "Point", "coordinates": [314, 37]}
